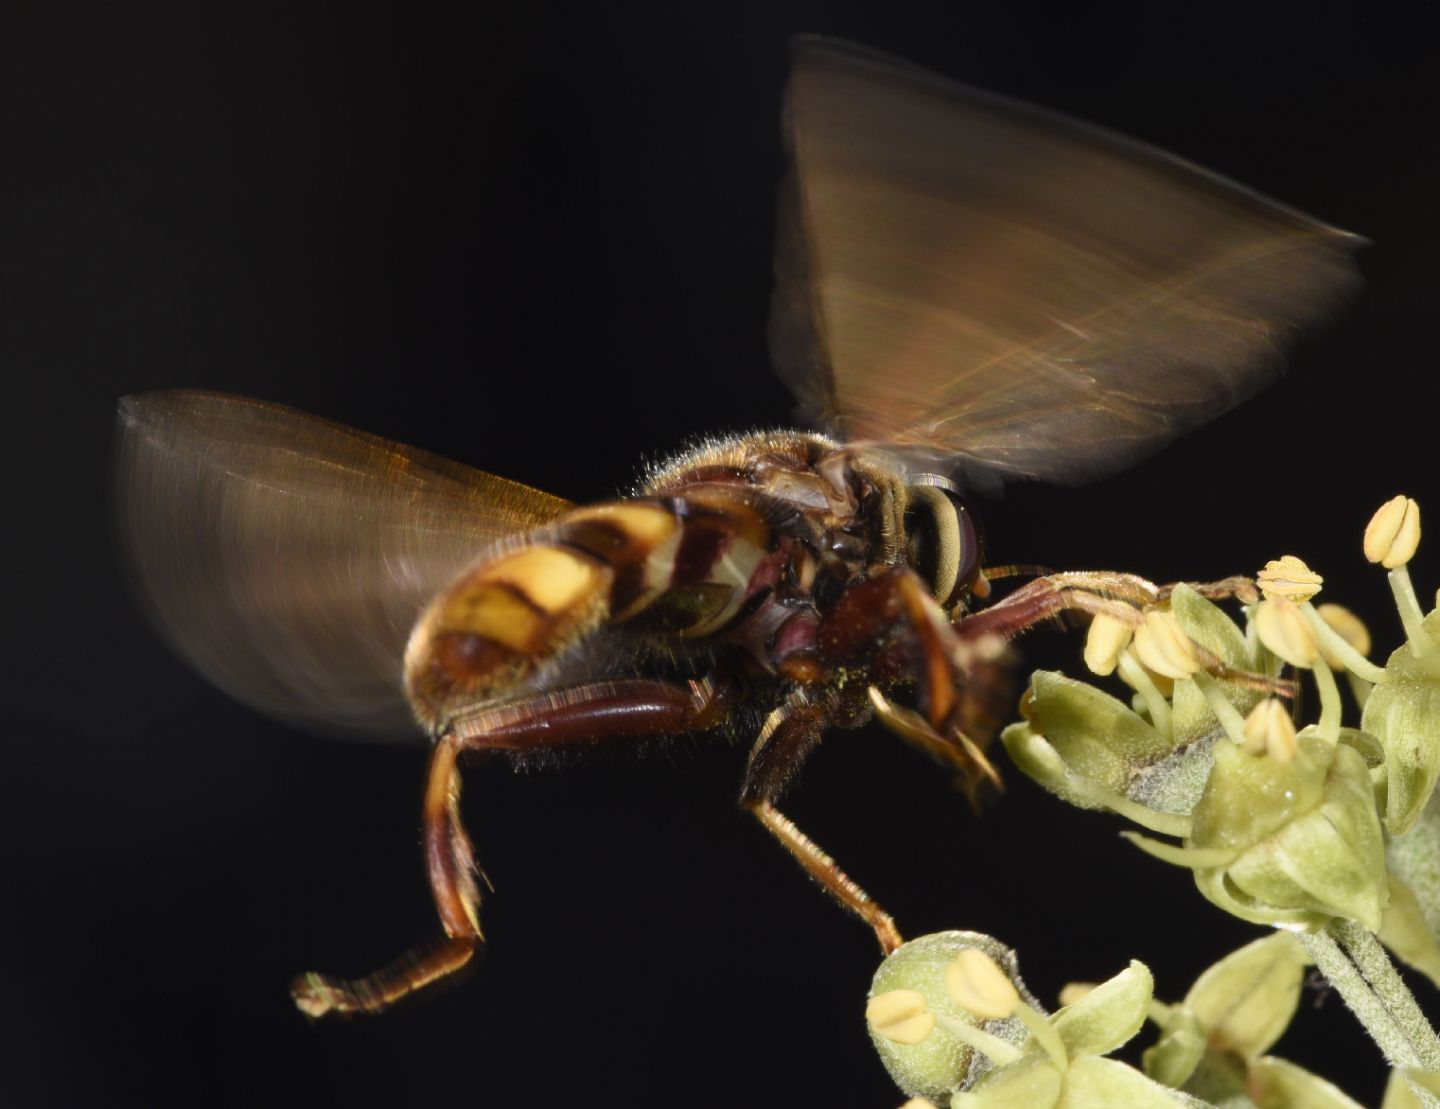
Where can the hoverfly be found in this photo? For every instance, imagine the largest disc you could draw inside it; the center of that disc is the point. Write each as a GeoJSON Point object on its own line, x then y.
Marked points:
{"type": "Point", "coordinates": [969, 291]}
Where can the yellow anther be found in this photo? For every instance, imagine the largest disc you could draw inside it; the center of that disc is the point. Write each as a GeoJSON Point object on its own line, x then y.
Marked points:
{"type": "Point", "coordinates": [1285, 632]}
{"type": "Point", "coordinates": [1072, 992]}
{"type": "Point", "coordinates": [976, 983]}
{"type": "Point", "coordinates": [1105, 640]}
{"type": "Point", "coordinates": [1393, 533]}
{"type": "Point", "coordinates": [901, 1016]}
{"type": "Point", "coordinates": [1287, 576]}
{"type": "Point", "coordinates": [1348, 627]}
{"type": "Point", "coordinates": [1161, 645]}
{"type": "Point", "coordinates": [1270, 731]}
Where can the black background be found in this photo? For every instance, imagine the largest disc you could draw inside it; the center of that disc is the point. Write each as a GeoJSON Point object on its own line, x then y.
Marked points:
{"type": "Point", "coordinates": [538, 240]}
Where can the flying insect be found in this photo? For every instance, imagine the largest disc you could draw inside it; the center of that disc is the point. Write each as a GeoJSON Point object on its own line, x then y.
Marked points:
{"type": "Point", "coordinates": [969, 291]}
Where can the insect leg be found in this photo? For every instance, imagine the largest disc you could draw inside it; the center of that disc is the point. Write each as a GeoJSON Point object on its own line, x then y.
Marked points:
{"type": "Point", "coordinates": [880, 626]}
{"type": "Point", "coordinates": [1113, 594]}
{"type": "Point", "coordinates": [634, 709]}
{"type": "Point", "coordinates": [860, 629]}
{"type": "Point", "coordinates": [787, 737]}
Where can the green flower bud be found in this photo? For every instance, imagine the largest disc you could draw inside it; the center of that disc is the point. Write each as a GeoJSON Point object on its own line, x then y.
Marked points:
{"type": "Point", "coordinates": [1403, 713]}
{"type": "Point", "coordinates": [1097, 738]}
{"type": "Point", "coordinates": [912, 999]}
{"type": "Point", "coordinates": [1213, 1041]}
{"type": "Point", "coordinates": [1246, 1000]}
{"type": "Point", "coordinates": [1302, 838]}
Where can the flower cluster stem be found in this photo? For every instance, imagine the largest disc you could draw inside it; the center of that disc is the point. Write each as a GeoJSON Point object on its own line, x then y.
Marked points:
{"type": "Point", "coordinates": [1374, 963]}
{"type": "Point", "coordinates": [1353, 961]}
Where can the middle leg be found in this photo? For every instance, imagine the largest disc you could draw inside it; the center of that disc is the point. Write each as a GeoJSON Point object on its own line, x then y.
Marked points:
{"type": "Point", "coordinates": [789, 734]}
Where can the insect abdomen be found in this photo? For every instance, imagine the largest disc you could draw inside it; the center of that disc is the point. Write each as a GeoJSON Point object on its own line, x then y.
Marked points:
{"type": "Point", "coordinates": [685, 564]}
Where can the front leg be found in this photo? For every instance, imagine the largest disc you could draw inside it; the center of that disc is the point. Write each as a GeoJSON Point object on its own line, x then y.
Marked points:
{"type": "Point", "coordinates": [1123, 596]}
{"type": "Point", "coordinates": [888, 630]}
{"type": "Point", "coordinates": [632, 709]}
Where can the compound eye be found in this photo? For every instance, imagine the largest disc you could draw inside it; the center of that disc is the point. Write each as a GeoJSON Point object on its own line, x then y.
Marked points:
{"type": "Point", "coordinates": [942, 541]}
{"type": "Point", "coordinates": [970, 545]}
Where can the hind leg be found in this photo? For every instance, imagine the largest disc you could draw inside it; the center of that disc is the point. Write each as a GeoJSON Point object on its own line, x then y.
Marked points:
{"type": "Point", "coordinates": [602, 712]}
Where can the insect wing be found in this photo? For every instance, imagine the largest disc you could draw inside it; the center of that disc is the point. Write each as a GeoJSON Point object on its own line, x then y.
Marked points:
{"type": "Point", "coordinates": [966, 276]}
{"type": "Point", "coordinates": [288, 557]}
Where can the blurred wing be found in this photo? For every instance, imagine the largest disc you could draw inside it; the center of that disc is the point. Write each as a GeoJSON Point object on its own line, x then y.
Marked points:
{"type": "Point", "coordinates": [966, 276]}
{"type": "Point", "coordinates": [288, 557]}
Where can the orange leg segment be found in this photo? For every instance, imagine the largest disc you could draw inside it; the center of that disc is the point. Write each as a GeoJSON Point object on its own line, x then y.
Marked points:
{"type": "Point", "coordinates": [634, 709]}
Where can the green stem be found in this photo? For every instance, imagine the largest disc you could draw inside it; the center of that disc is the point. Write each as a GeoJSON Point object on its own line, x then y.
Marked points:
{"type": "Point", "coordinates": [1000, 1052]}
{"type": "Point", "coordinates": [1373, 962]}
{"type": "Point", "coordinates": [1359, 688]}
{"type": "Point", "coordinates": [1411, 615]}
{"type": "Point", "coordinates": [1045, 1035]}
{"type": "Point", "coordinates": [1356, 965]}
{"type": "Point", "coordinates": [1133, 675]}
{"type": "Point", "coordinates": [1228, 715]}
{"type": "Point", "coordinates": [1367, 1006]}
{"type": "Point", "coordinates": [1353, 660]}
{"type": "Point", "coordinates": [1193, 858]}
{"type": "Point", "coordinates": [1329, 701]}
{"type": "Point", "coordinates": [1167, 824]}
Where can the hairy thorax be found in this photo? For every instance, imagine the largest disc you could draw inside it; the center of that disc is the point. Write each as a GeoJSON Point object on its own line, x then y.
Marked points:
{"type": "Point", "coordinates": [738, 546]}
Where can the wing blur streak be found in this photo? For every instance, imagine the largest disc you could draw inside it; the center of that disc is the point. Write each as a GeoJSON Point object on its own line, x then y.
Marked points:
{"type": "Point", "coordinates": [968, 277]}
{"type": "Point", "coordinates": [288, 557]}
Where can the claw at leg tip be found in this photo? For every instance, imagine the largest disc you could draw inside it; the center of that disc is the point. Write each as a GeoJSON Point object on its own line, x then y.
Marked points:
{"type": "Point", "coordinates": [313, 996]}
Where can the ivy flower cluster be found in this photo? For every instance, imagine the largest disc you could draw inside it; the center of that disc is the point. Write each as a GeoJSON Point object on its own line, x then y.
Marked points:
{"type": "Point", "coordinates": [1325, 830]}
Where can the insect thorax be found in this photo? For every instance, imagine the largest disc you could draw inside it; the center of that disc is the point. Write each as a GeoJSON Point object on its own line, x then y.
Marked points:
{"type": "Point", "coordinates": [742, 540]}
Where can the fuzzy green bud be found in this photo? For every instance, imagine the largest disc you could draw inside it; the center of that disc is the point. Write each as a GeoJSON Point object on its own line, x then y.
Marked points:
{"type": "Point", "coordinates": [1097, 738]}
{"type": "Point", "coordinates": [1303, 837]}
{"type": "Point", "coordinates": [909, 1007]}
{"type": "Point", "coordinates": [1403, 713]}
